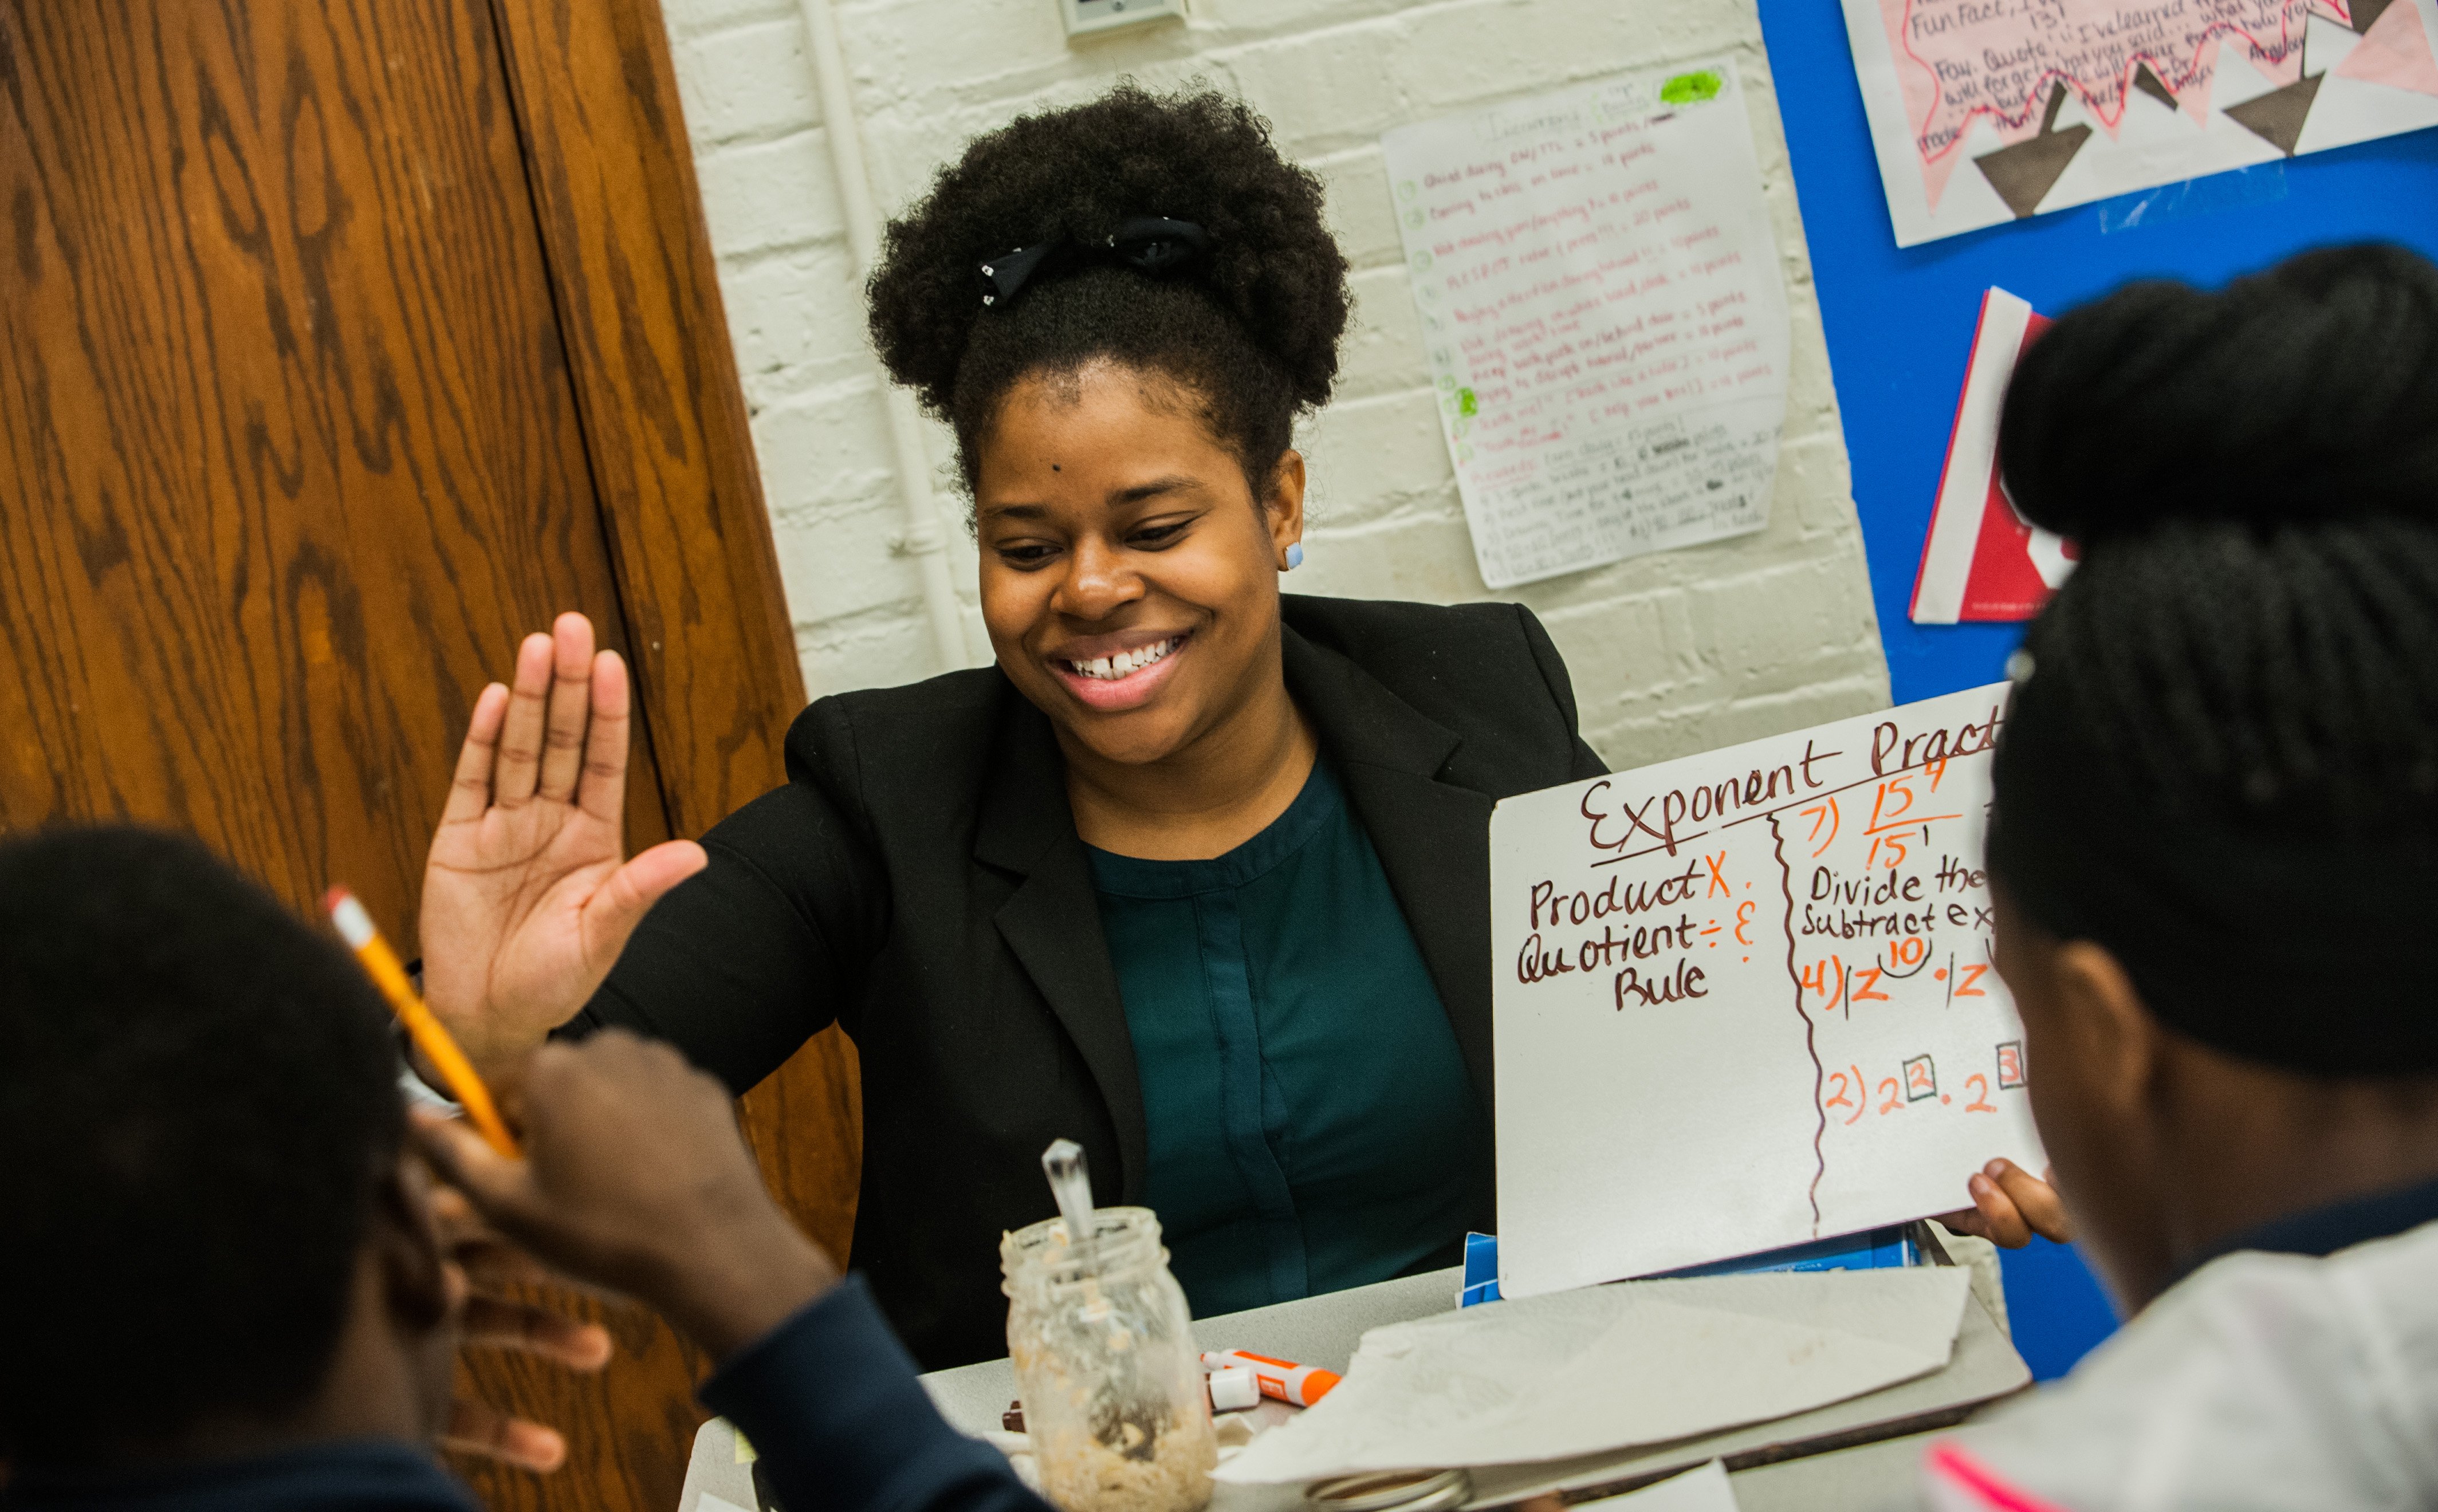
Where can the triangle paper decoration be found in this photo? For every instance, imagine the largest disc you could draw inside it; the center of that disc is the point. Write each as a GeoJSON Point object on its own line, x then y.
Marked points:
{"type": "Point", "coordinates": [2025, 172]}
{"type": "Point", "coordinates": [2395, 49]}
{"type": "Point", "coordinates": [2277, 116]}
{"type": "Point", "coordinates": [1982, 560]}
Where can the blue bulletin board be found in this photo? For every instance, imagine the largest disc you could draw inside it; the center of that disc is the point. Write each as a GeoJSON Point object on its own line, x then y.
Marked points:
{"type": "Point", "coordinates": [1899, 321]}
{"type": "Point", "coordinates": [1900, 326]}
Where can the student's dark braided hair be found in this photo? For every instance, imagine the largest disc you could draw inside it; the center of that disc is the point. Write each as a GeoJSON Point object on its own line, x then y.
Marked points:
{"type": "Point", "coordinates": [2222, 758]}
{"type": "Point", "coordinates": [1248, 328]}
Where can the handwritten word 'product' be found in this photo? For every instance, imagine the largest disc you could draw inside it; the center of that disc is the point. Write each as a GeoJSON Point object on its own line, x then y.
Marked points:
{"type": "Point", "coordinates": [1600, 295]}
{"type": "Point", "coordinates": [1745, 1000]}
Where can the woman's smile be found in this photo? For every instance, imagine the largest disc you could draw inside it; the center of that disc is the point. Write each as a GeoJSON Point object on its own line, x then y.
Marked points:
{"type": "Point", "coordinates": [1112, 677]}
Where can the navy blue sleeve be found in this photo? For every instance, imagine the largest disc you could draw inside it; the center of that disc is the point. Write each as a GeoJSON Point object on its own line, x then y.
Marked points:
{"type": "Point", "coordinates": [830, 1402]}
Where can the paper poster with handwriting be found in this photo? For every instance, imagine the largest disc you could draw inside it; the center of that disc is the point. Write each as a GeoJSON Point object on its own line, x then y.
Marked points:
{"type": "Point", "coordinates": [1745, 1000]}
{"type": "Point", "coordinates": [1600, 294]}
{"type": "Point", "coordinates": [1985, 111]}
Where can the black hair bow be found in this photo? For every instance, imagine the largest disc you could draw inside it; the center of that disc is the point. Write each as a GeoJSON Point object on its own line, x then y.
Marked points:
{"type": "Point", "coordinates": [1152, 243]}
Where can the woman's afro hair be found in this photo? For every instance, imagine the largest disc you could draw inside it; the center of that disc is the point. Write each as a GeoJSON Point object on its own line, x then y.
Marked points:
{"type": "Point", "coordinates": [1249, 328]}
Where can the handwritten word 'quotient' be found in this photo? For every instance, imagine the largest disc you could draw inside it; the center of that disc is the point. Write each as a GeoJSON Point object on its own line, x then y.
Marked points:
{"type": "Point", "coordinates": [1537, 963]}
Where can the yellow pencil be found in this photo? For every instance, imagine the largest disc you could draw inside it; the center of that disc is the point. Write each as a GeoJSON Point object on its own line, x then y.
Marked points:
{"type": "Point", "coordinates": [381, 964]}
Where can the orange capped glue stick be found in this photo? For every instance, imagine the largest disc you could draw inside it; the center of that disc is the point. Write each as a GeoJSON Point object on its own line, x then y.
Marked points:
{"type": "Point", "coordinates": [1283, 1379]}
{"type": "Point", "coordinates": [382, 964]}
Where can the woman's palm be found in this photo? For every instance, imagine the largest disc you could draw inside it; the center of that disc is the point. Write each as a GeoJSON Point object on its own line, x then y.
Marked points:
{"type": "Point", "coordinates": [526, 897]}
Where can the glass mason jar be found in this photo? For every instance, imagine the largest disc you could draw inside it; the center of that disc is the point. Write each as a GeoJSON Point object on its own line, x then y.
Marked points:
{"type": "Point", "coordinates": [1108, 1369]}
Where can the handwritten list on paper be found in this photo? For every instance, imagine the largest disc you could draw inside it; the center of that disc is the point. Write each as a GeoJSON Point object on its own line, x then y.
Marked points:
{"type": "Point", "coordinates": [1600, 295]}
{"type": "Point", "coordinates": [1746, 999]}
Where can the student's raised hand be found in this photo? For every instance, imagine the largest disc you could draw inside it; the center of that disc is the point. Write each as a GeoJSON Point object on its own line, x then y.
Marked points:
{"type": "Point", "coordinates": [527, 894]}
{"type": "Point", "coordinates": [2009, 1205]}
{"type": "Point", "coordinates": [499, 1316]}
{"type": "Point", "coordinates": [634, 1178]}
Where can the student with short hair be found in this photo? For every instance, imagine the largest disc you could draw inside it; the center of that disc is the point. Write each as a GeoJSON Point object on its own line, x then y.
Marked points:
{"type": "Point", "coordinates": [226, 1284]}
{"type": "Point", "coordinates": [2215, 852]}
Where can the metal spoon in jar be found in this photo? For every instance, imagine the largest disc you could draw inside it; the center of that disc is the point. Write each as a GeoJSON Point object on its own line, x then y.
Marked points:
{"type": "Point", "coordinates": [1063, 1163]}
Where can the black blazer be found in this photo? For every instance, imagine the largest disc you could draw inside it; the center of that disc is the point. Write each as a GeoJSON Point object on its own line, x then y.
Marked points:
{"type": "Point", "coordinates": [919, 881]}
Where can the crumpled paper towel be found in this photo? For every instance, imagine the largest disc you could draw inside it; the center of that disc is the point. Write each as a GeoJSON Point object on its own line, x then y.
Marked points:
{"type": "Point", "coordinates": [1606, 1367]}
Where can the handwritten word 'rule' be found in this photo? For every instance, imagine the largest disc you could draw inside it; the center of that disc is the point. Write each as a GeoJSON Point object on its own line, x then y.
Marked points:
{"type": "Point", "coordinates": [1599, 296]}
{"type": "Point", "coordinates": [1747, 999]}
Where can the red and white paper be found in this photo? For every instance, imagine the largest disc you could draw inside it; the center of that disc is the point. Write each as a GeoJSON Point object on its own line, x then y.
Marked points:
{"type": "Point", "coordinates": [1986, 111]}
{"type": "Point", "coordinates": [1983, 560]}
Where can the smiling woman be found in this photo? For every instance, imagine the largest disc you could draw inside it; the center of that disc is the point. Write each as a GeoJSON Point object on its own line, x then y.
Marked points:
{"type": "Point", "coordinates": [1130, 586]}
{"type": "Point", "coordinates": [1196, 875]}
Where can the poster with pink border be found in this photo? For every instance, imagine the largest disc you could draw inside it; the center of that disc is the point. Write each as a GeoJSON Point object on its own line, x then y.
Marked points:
{"type": "Point", "coordinates": [1989, 111]}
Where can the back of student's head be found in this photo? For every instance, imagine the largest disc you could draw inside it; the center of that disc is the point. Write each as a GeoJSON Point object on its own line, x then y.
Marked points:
{"type": "Point", "coordinates": [2222, 758]}
{"type": "Point", "coordinates": [197, 1098]}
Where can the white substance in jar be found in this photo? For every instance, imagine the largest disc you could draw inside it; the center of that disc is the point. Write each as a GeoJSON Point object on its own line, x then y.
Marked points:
{"type": "Point", "coordinates": [1108, 1369]}
{"type": "Point", "coordinates": [1171, 1474]}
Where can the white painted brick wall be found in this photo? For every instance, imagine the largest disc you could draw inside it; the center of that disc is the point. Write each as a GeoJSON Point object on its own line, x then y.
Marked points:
{"type": "Point", "coordinates": [1670, 654]}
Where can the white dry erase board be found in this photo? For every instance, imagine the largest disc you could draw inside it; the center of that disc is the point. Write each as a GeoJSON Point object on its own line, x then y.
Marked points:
{"type": "Point", "coordinates": [1745, 1000]}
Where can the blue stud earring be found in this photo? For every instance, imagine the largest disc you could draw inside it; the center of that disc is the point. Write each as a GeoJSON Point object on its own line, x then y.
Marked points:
{"type": "Point", "coordinates": [1295, 556]}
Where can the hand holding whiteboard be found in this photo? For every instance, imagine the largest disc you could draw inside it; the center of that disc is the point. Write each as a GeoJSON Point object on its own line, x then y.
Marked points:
{"type": "Point", "coordinates": [1745, 999]}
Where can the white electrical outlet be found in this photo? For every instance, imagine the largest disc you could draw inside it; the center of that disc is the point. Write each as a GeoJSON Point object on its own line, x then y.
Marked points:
{"type": "Point", "coordinates": [1083, 16]}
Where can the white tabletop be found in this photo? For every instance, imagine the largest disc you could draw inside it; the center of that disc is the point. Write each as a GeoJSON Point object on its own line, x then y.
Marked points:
{"type": "Point", "coordinates": [1850, 1456]}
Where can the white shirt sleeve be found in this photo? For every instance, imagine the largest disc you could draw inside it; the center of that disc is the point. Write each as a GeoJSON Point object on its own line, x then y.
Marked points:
{"type": "Point", "coordinates": [416, 1091]}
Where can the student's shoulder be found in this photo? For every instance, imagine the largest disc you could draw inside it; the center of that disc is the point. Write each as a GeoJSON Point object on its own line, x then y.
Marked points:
{"type": "Point", "coordinates": [879, 777]}
{"type": "Point", "coordinates": [1487, 672]}
{"type": "Point", "coordinates": [1466, 661]}
{"type": "Point", "coordinates": [2260, 1380]}
{"type": "Point", "coordinates": [1391, 636]}
{"type": "Point", "coordinates": [937, 734]}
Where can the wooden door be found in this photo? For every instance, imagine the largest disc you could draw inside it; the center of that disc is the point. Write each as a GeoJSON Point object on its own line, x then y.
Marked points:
{"type": "Point", "coordinates": [342, 342]}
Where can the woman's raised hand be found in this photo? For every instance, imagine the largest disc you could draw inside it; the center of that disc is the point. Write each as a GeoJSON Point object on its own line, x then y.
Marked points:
{"type": "Point", "coordinates": [526, 903]}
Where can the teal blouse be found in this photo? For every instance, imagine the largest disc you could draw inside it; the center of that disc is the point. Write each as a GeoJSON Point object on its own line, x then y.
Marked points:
{"type": "Point", "coordinates": [1312, 1125]}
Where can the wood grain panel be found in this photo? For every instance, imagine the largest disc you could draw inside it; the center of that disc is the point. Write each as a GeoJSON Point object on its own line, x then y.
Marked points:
{"type": "Point", "coordinates": [629, 1429]}
{"type": "Point", "coordinates": [293, 444]}
{"type": "Point", "coordinates": [287, 446]}
{"type": "Point", "coordinates": [615, 189]}
{"type": "Point", "coordinates": [290, 458]}
{"type": "Point", "coordinates": [613, 183]}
